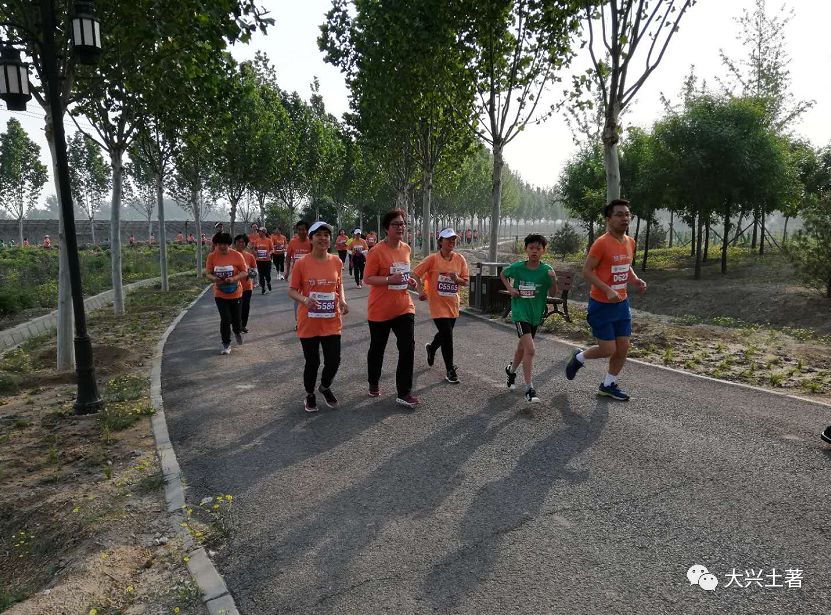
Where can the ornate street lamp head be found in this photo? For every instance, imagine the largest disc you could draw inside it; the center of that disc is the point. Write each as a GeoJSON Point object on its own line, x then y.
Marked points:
{"type": "Point", "coordinates": [86, 33]}
{"type": "Point", "coordinates": [14, 79]}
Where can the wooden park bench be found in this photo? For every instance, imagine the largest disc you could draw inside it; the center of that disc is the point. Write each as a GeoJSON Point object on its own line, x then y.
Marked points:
{"type": "Point", "coordinates": [564, 281]}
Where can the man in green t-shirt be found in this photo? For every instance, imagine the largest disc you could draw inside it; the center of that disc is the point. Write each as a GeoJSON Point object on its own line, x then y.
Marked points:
{"type": "Point", "coordinates": [528, 282]}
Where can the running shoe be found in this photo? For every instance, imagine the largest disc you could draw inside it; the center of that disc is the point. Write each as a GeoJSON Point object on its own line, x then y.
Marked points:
{"type": "Point", "coordinates": [531, 396]}
{"type": "Point", "coordinates": [269, 288]}
{"type": "Point", "coordinates": [226, 349]}
{"type": "Point", "coordinates": [573, 365]}
{"type": "Point", "coordinates": [310, 405]}
{"type": "Point", "coordinates": [408, 401]}
{"type": "Point", "coordinates": [374, 391]}
{"type": "Point", "coordinates": [511, 377]}
{"type": "Point", "coordinates": [431, 354]}
{"type": "Point", "coordinates": [451, 376]}
{"type": "Point", "coordinates": [612, 391]}
{"type": "Point", "coordinates": [238, 337]}
{"type": "Point", "coordinates": [328, 396]}
{"type": "Point", "coordinates": [826, 435]}
{"type": "Point", "coordinates": [244, 330]}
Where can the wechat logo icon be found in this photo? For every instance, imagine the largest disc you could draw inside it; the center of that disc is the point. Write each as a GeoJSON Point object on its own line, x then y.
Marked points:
{"type": "Point", "coordinates": [699, 575]}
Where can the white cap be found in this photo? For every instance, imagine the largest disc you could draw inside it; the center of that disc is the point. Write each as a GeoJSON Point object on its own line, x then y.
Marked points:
{"type": "Point", "coordinates": [357, 231]}
{"type": "Point", "coordinates": [320, 224]}
{"type": "Point", "coordinates": [447, 233]}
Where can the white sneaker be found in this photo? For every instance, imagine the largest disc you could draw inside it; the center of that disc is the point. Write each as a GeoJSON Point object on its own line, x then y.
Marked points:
{"type": "Point", "coordinates": [226, 349]}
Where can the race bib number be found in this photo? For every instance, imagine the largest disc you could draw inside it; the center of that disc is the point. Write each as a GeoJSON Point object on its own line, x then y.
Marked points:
{"type": "Point", "coordinates": [224, 271]}
{"type": "Point", "coordinates": [446, 287]}
{"type": "Point", "coordinates": [262, 254]}
{"type": "Point", "coordinates": [297, 256]}
{"type": "Point", "coordinates": [325, 305]}
{"type": "Point", "coordinates": [404, 270]}
{"type": "Point", "coordinates": [620, 276]}
{"type": "Point", "coordinates": [527, 290]}
{"type": "Point", "coordinates": [279, 247]}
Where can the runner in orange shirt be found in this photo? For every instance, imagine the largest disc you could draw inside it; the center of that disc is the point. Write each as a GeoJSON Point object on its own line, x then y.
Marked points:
{"type": "Point", "coordinates": [390, 308]}
{"type": "Point", "coordinates": [440, 275]}
{"type": "Point", "coordinates": [47, 243]}
{"type": "Point", "coordinates": [254, 234]}
{"type": "Point", "coordinates": [359, 249]}
{"type": "Point", "coordinates": [371, 239]}
{"type": "Point", "coordinates": [240, 244]}
{"type": "Point", "coordinates": [340, 245]}
{"type": "Point", "coordinates": [278, 257]}
{"type": "Point", "coordinates": [180, 238]}
{"type": "Point", "coordinates": [317, 288]}
{"type": "Point", "coordinates": [608, 268]}
{"type": "Point", "coordinates": [226, 269]}
{"type": "Point", "coordinates": [299, 246]}
{"type": "Point", "coordinates": [263, 248]}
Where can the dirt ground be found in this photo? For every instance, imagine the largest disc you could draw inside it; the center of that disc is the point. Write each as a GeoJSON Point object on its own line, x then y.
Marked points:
{"type": "Point", "coordinates": [83, 525]}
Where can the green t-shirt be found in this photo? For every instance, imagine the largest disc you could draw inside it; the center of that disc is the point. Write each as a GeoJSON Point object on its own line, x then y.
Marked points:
{"type": "Point", "coordinates": [533, 285]}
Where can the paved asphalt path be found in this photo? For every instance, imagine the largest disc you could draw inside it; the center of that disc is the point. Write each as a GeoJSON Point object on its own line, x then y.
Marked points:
{"type": "Point", "coordinates": [473, 505]}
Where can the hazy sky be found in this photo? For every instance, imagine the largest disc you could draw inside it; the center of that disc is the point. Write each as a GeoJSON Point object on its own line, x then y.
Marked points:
{"type": "Point", "coordinates": [539, 153]}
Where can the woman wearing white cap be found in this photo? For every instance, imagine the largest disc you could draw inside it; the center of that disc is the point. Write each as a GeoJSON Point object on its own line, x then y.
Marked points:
{"type": "Point", "coordinates": [317, 287]}
{"type": "Point", "coordinates": [358, 248]}
{"type": "Point", "coordinates": [441, 274]}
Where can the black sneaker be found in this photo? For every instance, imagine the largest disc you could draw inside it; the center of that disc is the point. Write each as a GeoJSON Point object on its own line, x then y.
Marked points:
{"type": "Point", "coordinates": [431, 355]}
{"type": "Point", "coordinates": [310, 404]}
{"type": "Point", "coordinates": [238, 337]}
{"type": "Point", "coordinates": [511, 377]}
{"type": "Point", "coordinates": [573, 365]}
{"type": "Point", "coordinates": [531, 396]}
{"type": "Point", "coordinates": [826, 435]}
{"type": "Point", "coordinates": [451, 376]}
{"type": "Point", "coordinates": [244, 330]}
{"type": "Point", "coordinates": [328, 396]}
{"type": "Point", "coordinates": [612, 391]}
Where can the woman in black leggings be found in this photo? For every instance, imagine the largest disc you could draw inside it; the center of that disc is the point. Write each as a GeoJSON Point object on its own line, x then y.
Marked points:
{"type": "Point", "coordinates": [359, 249]}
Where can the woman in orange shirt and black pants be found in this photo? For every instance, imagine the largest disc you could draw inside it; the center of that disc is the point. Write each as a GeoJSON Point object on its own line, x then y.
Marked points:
{"type": "Point", "coordinates": [226, 269]}
{"type": "Point", "coordinates": [317, 287]}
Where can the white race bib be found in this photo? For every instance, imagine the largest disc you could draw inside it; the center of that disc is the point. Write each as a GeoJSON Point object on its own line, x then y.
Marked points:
{"type": "Point", "coordinates": [297, 256]}
{"type": "Point", "coordinates": [403, 269]}
{"type": "Point", "coordinates": [325, 305]}
{"type": "Point", "coordinates": [223, 271]}
{"type": "Point", "coordinates": [620, 276]}
{"type": "Point", "coordinates": [446, 287]}
{"type": "Point", "coordinates": [527, 290]}
{"type": "Point", "coordinates": [262, 254]}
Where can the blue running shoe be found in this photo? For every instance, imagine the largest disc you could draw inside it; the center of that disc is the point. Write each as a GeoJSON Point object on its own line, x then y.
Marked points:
{"type": "Point", "coordinates": [612, 391]}
{"type": "Point", "coordinates": [573, 365]}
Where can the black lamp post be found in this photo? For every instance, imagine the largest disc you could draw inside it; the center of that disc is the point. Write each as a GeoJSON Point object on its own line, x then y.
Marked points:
{"type": "Point", "coordinates": [86, 41]}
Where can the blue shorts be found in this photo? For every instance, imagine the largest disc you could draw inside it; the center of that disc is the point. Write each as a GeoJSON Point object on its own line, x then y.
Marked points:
{"type": "Point", "coordinates": [609, 320]}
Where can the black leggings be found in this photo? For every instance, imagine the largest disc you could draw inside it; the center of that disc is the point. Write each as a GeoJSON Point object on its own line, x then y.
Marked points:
{"type": "Point", "coordinates": [331, 360]}
{"type": "Point", "coordinates": [246, 307]}
{"type": "Point", "coordinates": [229, 317]}
{"type": "Point", "coordinates": [279, 261]}
{"type": "Point", "coordinates": [264, 269]}
{"type": "Point", "coordinates": [342, 254]}
{"type": "Point", "coordinates": [358, 262]}
{"type": "Point", "coordinates": [379, 332]}
{"type": "Point", "coordinates": [444, 339]}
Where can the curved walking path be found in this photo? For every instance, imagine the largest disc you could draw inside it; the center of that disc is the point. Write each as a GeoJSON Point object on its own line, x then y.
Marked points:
{"type": "Point", "coordinates": [472, 505]}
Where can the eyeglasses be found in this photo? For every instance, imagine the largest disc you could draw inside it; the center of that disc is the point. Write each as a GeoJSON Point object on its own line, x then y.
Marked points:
{"type": "Point", "coordinates": [398, 224]}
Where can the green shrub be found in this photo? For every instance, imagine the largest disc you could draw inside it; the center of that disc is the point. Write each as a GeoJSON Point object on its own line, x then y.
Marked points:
{"type": "Point", "coordinates": [566, 240]}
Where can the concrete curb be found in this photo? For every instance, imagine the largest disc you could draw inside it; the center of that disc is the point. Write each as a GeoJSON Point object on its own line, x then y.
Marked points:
{"type": "Point", "coordinates": [215, 593]}
{"type": "Point", "coordinates": [11, 338]}
{"type": "Point", "coordinates": [742, 385]}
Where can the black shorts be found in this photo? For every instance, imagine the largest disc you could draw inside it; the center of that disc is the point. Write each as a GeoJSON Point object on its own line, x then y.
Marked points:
{"type": "Point", "coordinates": [524, 328]}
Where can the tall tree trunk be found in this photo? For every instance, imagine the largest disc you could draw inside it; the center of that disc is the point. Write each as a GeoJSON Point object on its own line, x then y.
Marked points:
{"type": "Point", "coordinates": [115, 232]}
{"type": "Point", "coordinates": [704, 257]}
{"type": "Point", "coordinates": [725, 241]}
{"type": "Point", "coordinates": [693, 236]}
{"type": "Point", "coordinates": [646, 243]}
{"type": "Point", "coordinates": [762, 233]}
{"type": "Point", "coordinates": [496, 197]}
{"type": "Point", "coordinates": [20, 231]}
{"type": "Point", "coordinates": [163, 232]}
{"type": "Point", "coordinates": [234, 203]}
{"type": "Point", "coordinates": [755, 228]}
{"type": "Point", "coordinates": [785, 231]}
{"type": "Point", "coordinates": [671, 227]}
{"type": "Point", "coordinates": [149, 228]}
{"type": "Point", "coordinates": [698, 242]}
{"type": "Point", "coordinates": [611, 162]}
{"type": "Point", "coordinates": [426, 201]}
{"type": "Point", "coordinates": [738, 228]}
{"type": "Point", "coordinates": [197, 219]}
{"type": "Point", "coordinates": [637, 231]}
{"type": "Point", "coordinates": [92, 228]}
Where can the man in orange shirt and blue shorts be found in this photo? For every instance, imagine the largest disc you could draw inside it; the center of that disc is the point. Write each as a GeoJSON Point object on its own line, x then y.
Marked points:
{"type": "Point", "coordinates": [608, 268]}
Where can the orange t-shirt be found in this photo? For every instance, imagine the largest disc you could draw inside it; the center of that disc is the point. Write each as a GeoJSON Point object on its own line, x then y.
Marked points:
{"type": "Point", "coordinates": [615, 260]}
{"type": "Point", "coordinates": [320, 280]}
{"type": "Point", "coordinates": [340, 243]}
{"type": "Point", "coordinates": [359, 245]}
{"type": "Point", "coordinates": [262, 249]}
{"type": "Point", "coordinates": [180, 238]}
{"type": "Point", "coordinates": [248, 283]}
{"type": "Point", "coordinates": [298, 249]}
{"type": "Point", "coordinates": [279, 241]}
{"type": "Point", "coordinates": [442, 293]}
{"type": "Point", "coordinates": [252, 237]}
{"type": "Point", "coordinates": [226, 266]}
{"type": "Point", "coordinates": [390, 301]}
